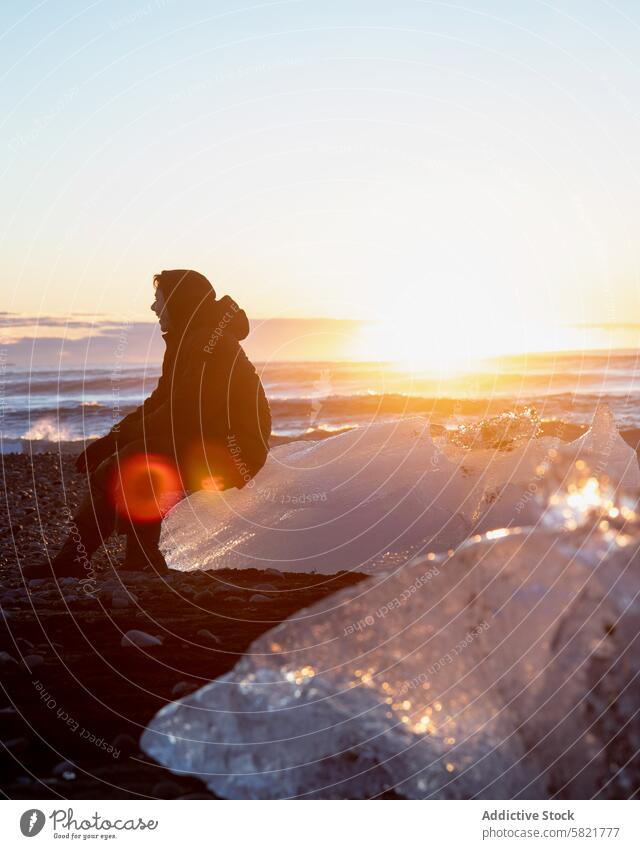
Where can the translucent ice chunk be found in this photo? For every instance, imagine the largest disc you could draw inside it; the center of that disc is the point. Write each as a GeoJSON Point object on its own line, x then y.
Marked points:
{"type": "Point", "coordinates": [377, 496]}
{"type": "Point", "coordinates": [503, 671]}
{"type": "Point", "coordinates": [359, 500]}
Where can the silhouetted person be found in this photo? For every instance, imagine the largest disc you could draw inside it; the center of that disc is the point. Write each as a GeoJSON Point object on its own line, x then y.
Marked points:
{"type": "Point", "coordinates": [205, 426]}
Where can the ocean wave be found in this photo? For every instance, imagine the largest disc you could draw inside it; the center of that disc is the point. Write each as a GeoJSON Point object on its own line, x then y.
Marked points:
{"type": "Point", "coordinates": [50, 431]}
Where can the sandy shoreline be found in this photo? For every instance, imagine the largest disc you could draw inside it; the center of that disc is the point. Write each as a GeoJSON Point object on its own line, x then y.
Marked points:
{"type": "Point", "coordinates": [74, 701]}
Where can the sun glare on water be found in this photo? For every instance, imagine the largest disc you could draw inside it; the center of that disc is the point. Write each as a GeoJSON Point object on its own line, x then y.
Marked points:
{"type": "Point", "coordinates": [449, 346]}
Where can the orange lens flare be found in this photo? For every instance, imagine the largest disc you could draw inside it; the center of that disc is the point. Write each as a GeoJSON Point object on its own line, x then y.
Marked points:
{"type": "Point", "coordinates": [208, 465]}
{"type": "Point", "coordinates": [212, 483]}
{"type": "Point", "coordinates": [145, 487]}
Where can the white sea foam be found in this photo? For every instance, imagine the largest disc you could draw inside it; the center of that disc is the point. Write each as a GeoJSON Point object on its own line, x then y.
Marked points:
{"type": "Point", "coordinates": [47, 429]}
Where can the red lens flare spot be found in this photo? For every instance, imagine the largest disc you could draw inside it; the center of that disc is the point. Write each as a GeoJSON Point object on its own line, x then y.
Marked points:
{"type": "Point", "coordinates": [145, 487]}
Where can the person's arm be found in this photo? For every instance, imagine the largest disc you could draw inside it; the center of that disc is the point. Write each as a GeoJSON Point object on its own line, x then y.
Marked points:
{"type": "Point", "coordinates": [198, 388]}
{"type": "Point", "coordinates": [126, 430]}
{"type": "Point", "coordinates": [131, 426]}
{"type": "Point", "coordinates": [196, 394]}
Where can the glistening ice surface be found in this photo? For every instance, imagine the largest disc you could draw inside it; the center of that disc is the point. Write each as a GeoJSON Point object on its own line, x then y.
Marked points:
{"type": "Point", "coordinates": [375, 497]}
{"type": "Point", "coordinates": [505, 670]}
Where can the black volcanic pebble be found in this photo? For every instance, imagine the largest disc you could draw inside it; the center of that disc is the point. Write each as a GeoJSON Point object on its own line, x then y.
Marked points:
{"type": "Point", "coordinates": [125, 744]}
{"type": "Point", "coordinates": [203, 598]}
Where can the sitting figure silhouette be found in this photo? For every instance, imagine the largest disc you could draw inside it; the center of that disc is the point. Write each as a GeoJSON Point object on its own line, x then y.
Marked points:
{"type": "Point", "coordinates": [205, 426]}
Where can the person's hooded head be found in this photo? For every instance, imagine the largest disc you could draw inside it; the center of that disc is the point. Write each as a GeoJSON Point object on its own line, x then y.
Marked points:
{"type": "Point", "coordinates": [185, 300]}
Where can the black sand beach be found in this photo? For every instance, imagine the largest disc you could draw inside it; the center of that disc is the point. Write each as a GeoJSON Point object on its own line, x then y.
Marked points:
{"type": "Point", "coordinates": [74, 701]}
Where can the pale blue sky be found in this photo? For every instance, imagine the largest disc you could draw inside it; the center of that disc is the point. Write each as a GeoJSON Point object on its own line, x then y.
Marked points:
{"type": "Point", "coordinates": [347, 159]}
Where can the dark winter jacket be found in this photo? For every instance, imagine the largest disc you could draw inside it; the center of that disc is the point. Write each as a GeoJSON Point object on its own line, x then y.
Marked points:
{"type": "Point", "coordinates": [209, 407]}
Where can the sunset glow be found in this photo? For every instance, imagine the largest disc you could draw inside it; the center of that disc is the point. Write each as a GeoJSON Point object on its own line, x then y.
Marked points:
{"type": "Point", "coordinates": [475, 181]}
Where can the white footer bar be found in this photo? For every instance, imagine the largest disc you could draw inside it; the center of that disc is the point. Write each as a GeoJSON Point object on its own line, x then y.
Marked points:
{"type": "Point", "coordinates": [187, 824]}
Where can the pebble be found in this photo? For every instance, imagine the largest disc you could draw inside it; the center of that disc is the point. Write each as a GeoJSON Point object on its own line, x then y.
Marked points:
{"type": "Point", "coordinates": [120, 599]}
{"type": "Point", "coordinates": [206, 634]}
{"type": "Point", "coordinates": [33, 661]}
{"type": "Point", "coordinates": [15, 596]}
{"type": "Point", "coordinates": [183, 688]}
{"type": "Point", "coordinates": [65, 769]}
{"type": "Point", "coordinates": [257, 598]}
{"type": "Point", "coordinates": [6, 659]}
{"type": "Point", "coordinates": [166, 790]}
{"type": "Point", "coordinates": [139, 639]}
{"type": "Point", "coordinates": [17, 746]}
{"type": "Point", "coordinates": [46, 596]}
{"type": "Point", "coordinates": [203, 598]}
{"type": "Point", "coordinates": [265, 587]}
{"type": "Point", "coordinates": [68, 582]}
{"type": "Point", "coordinates": [130, 578]}
{"type": "Point", "coordinates": [125, 744]}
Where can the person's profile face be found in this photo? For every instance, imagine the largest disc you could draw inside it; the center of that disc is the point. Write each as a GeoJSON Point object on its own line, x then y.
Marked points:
{"type": "Point", "coordinates": [159, 308]}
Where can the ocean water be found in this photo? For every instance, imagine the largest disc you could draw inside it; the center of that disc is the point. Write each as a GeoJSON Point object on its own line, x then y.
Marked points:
{"type": "Point", "coordinates": [78, 403]}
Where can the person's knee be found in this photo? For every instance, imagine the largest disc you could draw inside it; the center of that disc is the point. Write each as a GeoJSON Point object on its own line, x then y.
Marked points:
{"type": "Point", "coordinates": [102, 473]}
